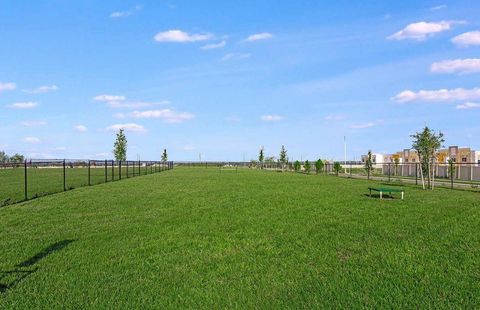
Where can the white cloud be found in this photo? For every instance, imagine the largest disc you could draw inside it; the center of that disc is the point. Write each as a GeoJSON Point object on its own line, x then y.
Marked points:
{"type": "Point", "coordinates": [468, 106]}
{"type": "Point", "coordinates": [334, 117]}
{"type": "Point", "coordinates": [272, 118]}
{"type": "Point", "coordinates": [34, 123]}
{"type": "Point", "coordinates": [134, 104]}
{"type": "Point", "coordinates": [168, 115]}
{"type": "Point", "coordinates": [362, 125]}
{"type": "Point", "coordinates": [127, 127]}
{"type": "Point", "coordinates": [80, 128]}
{"type": "Point", "coordinates": [214, 45]}
{"type": "Point", "coordinates": [108, 98]}
{"type": "Point", "coordinates": [23, 105]}
{"type": "Point", "coordinates": [7, 86]}
{"type": "Point", "coordinates": [441, 95]}
{"type": "Point", "coordinates": [258, 37]}
{"type": "Point", "coordinates": [235, 56]}
{"type": "Point", "coordinates": [121, 14]}
{"type": "Point", "coordinates": [462, 66]}
{"type": "Point", "coordinates": [189, 148]}
{"type": "Point", "coordinates": [32, 140]}
{"type": "Point", "coordinates": [117, 102]}
{"type": "Point", "coordinates": [421, 30]}
{"type": "Point", "coordinates": [438, 7]}
{"type": "Point", "coordinates": [42, 89]}
{"type": "Point", "coordinates": [180, 36]}
{"type": "Point", "coordinates": [467, 39]}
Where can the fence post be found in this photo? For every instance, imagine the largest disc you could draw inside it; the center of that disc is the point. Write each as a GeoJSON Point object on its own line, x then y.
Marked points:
{"type": "Point", "coordinates": [127, 169]}
{"type": "Point", "coordinates": [139, 172]}
{"type": "Point", "coordinates": [106, 180]}
{"type": "Point", "coordinates": [350, 169]}
{"type": "Point", "coordinates": [64, 178]}
{"type": "Point", "coordinates": [451, 176]}
{"type": "Point", "coordinates": [151, 167]}
{"type": "Point", "coordinates": [416, 174]}
{"type": "Point", "coordinates": [389, 172]}
{"type": "Point", "coordinates": [26, 183]}
{"type": "Point", "coordinates": [113, 170]}
{"type": "Point", "coordinates": [89, 183]}
{"type": "Point", "coordinates": [119, 169]}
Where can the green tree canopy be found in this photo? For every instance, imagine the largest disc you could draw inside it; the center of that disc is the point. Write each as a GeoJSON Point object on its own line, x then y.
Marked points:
{"type": "Point", "coordinates": [17, 158]}
{"type": "Point", "coordinates": [337, 167]}
{"type": "Point", "coordinates": [297, 166]}
{"type": "Point", "coordinates": [319, 165]}
{"type": "Point", "coordinates": [283, 155]}
{"type": "Point", "coordinates": [426, 143]}
{"type": "Point", "coordinates": [120, 146]}
{"type": "Point", "coordinates": [164, 155]}
{"type": "Point", "coordinates": [307, 166]}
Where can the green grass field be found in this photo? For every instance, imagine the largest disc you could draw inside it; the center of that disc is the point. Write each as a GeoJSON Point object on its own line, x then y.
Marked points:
{"type": "Point", "coordinates": [198, 238]}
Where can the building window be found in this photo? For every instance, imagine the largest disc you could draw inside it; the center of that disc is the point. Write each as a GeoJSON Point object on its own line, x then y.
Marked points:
{"type": "Point", "coordinates": [413, 160]}
{"type": "Point", "coordinates": [406, 160]}
{"type": "Point", "coordinates": [464, 159]}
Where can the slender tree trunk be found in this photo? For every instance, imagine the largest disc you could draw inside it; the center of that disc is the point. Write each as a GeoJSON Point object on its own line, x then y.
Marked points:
{"type": "Point", "coordinates": [433, 176]}
{"type": "Point", "coordinates": [428, 175]}
{"type": "Point", "coordinates": [421, 174]}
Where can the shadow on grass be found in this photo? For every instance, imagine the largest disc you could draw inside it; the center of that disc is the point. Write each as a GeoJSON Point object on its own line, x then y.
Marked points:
{"type": "Point", "coordinates": [377, 196]}
{"type": "Point", "coordinates": [9, 279]}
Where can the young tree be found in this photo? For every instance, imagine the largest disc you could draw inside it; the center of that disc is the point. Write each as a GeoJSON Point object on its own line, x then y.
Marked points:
{"type": "Point", "coordinates": [4, 158]}
{"type": "Point", "coordinates": [283, 159]}
{"type": "Point", "coordinates": [17, 158]}
{"type": "Point", "coordinates": [120, 146]}
{"type": "Point", "coordinates": [337, 167]}
{"type": "Point", "coordinates": [319, 164]}
{"type": "Point", "coordinates": [451, 168]}
{"type": "Point", "coordinates": [164, 155]}
{"type": "Point", "coordinates": [396, 161]}
{"type": "Point", "coordinates": [261, 157]}
{"type": "Point", "coordinates": [307, 166]}
{"type": "Point", "coordinates": [369, 164]}
{"type": "Point", "coordinates": [297, 166]}
{"type": "Point", "coordinates": [427, 143]}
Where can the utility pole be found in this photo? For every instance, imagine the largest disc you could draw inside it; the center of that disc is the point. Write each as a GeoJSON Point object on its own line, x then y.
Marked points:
{"type": "Point", "coordinates": [345, 152]}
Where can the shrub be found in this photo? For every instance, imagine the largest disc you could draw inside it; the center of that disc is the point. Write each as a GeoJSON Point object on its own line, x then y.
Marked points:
{"type": "Point", "coordinates": [337, 167]}
{"type": "Point", "coordinates": [319, 164]}
{"type": "Point", "coordinates": [307, 166]}
{"type": "Point", "coordinates": [296, 166]}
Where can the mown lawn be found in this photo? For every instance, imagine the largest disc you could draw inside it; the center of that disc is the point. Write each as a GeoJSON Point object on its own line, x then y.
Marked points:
{"type": "Point", "coordinates": [198, 238]}
{"type": "Point", "coordinates": [43, 181]}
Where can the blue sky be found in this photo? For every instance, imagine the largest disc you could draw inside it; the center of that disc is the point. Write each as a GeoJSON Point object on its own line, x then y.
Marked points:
{"type": "Point", "coordinates": [223, 78]}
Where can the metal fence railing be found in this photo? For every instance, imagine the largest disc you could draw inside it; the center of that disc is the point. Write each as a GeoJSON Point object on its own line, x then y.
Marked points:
{"type": "Point", "coordinates": [35, 178]}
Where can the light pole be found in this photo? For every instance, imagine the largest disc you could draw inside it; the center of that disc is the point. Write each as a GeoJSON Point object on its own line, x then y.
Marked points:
{"type": "Point", "coordinates": [345, 153]}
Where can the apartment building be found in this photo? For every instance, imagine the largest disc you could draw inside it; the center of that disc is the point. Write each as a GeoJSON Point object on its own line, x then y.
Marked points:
{"type": "Point", "coordinates": [457, 154]}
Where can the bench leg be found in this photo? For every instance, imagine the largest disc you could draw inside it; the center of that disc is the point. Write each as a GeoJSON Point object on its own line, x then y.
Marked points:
{"type": "Point", "coordinates": [381, 195]}
{"type": "Point", "coordinates": [402, 195]}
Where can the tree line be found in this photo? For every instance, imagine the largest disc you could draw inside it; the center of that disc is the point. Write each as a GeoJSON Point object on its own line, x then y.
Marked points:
{"type": "Point", "coordinates": [14, 159]}
{"type": "Point", "coordinates": [284, 162]}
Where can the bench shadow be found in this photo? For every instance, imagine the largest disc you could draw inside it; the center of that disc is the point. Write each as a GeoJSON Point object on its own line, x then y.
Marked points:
{"type": "Point", "coordinates": [11, 278]}
{"type": "Point", "coordinates": [385, 196]}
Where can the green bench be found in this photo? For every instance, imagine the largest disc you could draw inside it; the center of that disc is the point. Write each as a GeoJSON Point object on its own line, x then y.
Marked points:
{"type": "Point", "coordinates": [382, 190]}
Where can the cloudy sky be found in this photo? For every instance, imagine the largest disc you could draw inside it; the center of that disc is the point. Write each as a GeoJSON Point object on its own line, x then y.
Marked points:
{"type": "Point", "coordinates": [223, 78]}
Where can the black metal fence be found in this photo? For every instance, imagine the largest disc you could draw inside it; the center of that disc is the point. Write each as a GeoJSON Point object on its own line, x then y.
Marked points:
{"type": "Point", "coordinates": [35, 178]}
